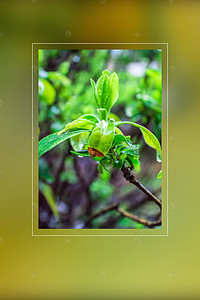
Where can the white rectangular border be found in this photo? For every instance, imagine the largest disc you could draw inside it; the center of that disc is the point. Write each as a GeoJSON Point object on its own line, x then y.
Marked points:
{"type": "Point", "coordinates": [100, 235]}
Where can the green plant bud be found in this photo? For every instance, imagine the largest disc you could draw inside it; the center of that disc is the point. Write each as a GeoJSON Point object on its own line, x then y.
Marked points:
{"type": "Point", "coordinates": [101, 139]}
{"type": "Point", "coordinates": [106, 72]}
{"type": "Point", "coordinates": [106, 90]}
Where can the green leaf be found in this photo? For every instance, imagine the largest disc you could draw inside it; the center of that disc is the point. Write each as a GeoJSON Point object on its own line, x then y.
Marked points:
{"type": "Point", "coordinates": [114, 91]}
{"type": "Point", "coordinates": [83, 153]}
{"type": "Point", "coordinates": [102, 137]}
{"type": "Point", "coordinates": [129, 151]}
{"type": "Point", "coordinates": [96, 158]}
{"type": "Point", "coordinates": [78, 141]}
{"type": "Point", "coordinates": [102, 90]}
{"type": "Point", "coordinates": [102, 114]}
{"type": "Point", "coordinates": [114, 116]}
{"type": "Point", "coordinates": [94, 90]}
{"type": "Point", "coordinates": [90, 117]}
{"type": "Point", "coordinates": [118, 139]}
{"type": "Point", "coordinates": [84, 122]}
{"type": "Point", "coordinates": [149, 137]}
{"type": "Point", "coordinates": [64, 67]}
{"type": "Point", "coordinates": [119, 149]}
{"type": "Point", "coordinates": [79, 123]}
{"type": "Point", "coordinates": [128, 160]}
{"type": "Point", "coordinates": [58, 79]}
{"type": "Point", "coordinates": [52, 140]}
{"type": "Point", "coordinates": [120, 164]}
{"type": "Point", "coordinates": [133, 161]}
{"type": "Point", "coordinates": [47, 192]}
{"type": "Point", "coordinates": [136, 164]}
{"type": "Point", "coordinates": [118, 131]}
{"type": "Point", "coordinates": [46, 92]}
{"type": "Point", "coordinates": [159, 174]}
{"type": "Point", "coordinates": [106, 72]}
{"type": "Point", "coordinates": [100, 168]}
{"type": "Point", "coordinates": [106, 163]}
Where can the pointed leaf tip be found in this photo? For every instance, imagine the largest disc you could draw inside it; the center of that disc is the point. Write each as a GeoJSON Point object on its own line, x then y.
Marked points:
{"type": "Point", "coordinates": [106, 72]}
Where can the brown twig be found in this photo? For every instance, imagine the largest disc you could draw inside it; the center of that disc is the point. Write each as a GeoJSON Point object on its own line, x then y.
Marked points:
{"type": "Point", "coordinates": [102, 212]}
{"type": "Point", "coordinates": [131, 178]}
{"type": "Point", "coordinates": [123, 213]}
{"type": "Point", "coordinates": [138, 219]}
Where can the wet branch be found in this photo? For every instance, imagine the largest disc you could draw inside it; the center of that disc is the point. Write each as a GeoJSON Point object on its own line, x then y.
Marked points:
{"type": "Point", "coordinates": [131, 178]}
{"type": "Point", "coordinates": [123, 213]}
{"type": "Point", "coordinates": [138, 219]}
{"type": "Point", "coordinates": [102, 212]}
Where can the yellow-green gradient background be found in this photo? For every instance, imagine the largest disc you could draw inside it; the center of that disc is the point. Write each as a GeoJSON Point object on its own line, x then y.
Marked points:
{"type": "Point", "coordinates": [99, 267]}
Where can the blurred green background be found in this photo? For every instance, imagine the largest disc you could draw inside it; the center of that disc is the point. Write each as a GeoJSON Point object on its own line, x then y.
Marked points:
{"type": "Point", "coordinates": [128, 267]}
{"type": "Point", "coordinates": [71, 189]}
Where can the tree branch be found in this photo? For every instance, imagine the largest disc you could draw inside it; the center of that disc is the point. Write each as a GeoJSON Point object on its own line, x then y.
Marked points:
{"type": "Point", "coordinates": [138, 219]}
{"type": "Point", "coordinates": [123, 213]}
{"type": "Point", "coordinates": [131, 178]}
{"type": "Point", "coordinates": [102, 212]}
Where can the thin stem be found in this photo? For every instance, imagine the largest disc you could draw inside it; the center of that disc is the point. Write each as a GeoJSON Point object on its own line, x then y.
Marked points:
{"type": "Point", "coordinates": [131, 178]}
{"type": "Point", "coordinates": [123, 213]}
{"type": "Point", "coordinates": [138, 219]}
{"type": "Point", "coordinates": [101, 212]}
{"type": "Point", "coordinates": [103, 115]}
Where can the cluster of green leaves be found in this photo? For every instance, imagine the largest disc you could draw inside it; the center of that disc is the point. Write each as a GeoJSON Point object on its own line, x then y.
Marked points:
{"type": "Point", "coordinates": [98, 135]}
{"type": "Point", "coordinates": [122, 152]}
